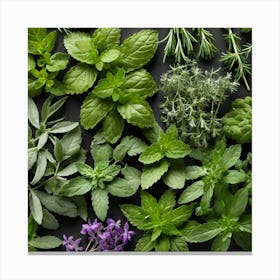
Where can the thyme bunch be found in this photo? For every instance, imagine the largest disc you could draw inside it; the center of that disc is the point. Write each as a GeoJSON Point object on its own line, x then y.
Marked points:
{"type": "Point", "coordinates": [192, 102]}
{"type": "Point", "coordinates": [236, 58]}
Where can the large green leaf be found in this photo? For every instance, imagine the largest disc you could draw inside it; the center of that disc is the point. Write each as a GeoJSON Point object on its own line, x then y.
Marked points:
{"type": "Point", "coordinates": [178, 244]}
{"type": "Point", "coordinates": [33, 113]}
{"type": "Point", "coordinates": [145, 243]}
{"type": "Point", "coordinates": [100, 203]}
{"type": "Point", "coordinates": [230, 156]}
{"type": "Point", "coordinates": [49, 221]}
{"type": "Point", "coordinates": [191, 192]}
{"type": "Point", "coordinates": [151, 154]}
{"type": "Point", "coordinates": [76, 186]}
{"type": "Point", "coordinates": [45, 242]}
{"type": "Point", "coordinates": [238, 203]}
{"type": "Point", "coordinates": [175, 176]}
{"type": "Point", "coordinates": [221, 243]}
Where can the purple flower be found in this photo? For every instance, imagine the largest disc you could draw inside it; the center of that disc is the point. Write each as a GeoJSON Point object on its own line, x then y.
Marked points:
{"type": "Point", "coordinates": [71, 244]}
{"type": "Point", "coordinates": [91, 228]}
{"type": "Point", "coordinates": [111, 224]}
{"type": "Point", "coordinates": [127, 234]}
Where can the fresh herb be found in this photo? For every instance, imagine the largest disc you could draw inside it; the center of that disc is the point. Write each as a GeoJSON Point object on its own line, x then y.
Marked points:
{"type": "Point", "coordinates": [216, 166]}
{"type": "Point", "coordinates": [207, 49]}
{"type": "Point", "coordinates": [192, 102]}
{"type": "Point", "coordinates": [160, 221]}
{"type": "Point", "coordinates": [103, 179]}
{"type": "Point", "coordinates": [237, 124]}
{"type": "Point", "coordinates": [236, 58]}
{"type": "Point", "coordinates": [165, 158]}
{"type": "Point", "coordinates": [226, 221]}
{"type": "Point", "coordinates": [44, 67]}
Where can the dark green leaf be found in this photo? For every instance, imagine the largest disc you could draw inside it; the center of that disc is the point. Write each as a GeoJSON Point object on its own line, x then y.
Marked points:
{"type": "Point", "coordinates": [243, 240]}
{"type": "Point", "coordinates": [221, 243]}
{"type": "Point", "coordinates": [71, 141]}
{"type": "Point", "coordinates": [145, 243]}
{"type": "Point", "coordinates": [49, 221]}
{"type": "Point", "coordinates": [238, 203]}
{"type": "Point", "coordinates": [58, 150]}
{"type": "Point", "coordinates": [162, 244]}
{"type": "Point", "coordinates": [81, 204]}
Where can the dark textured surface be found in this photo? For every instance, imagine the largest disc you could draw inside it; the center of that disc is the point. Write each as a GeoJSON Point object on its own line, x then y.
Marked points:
{"type": "Point", "coordinates": [71, 111]}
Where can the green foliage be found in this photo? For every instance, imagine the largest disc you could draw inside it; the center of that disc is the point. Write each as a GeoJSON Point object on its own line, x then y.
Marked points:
{"type": "Point", "coordinates": [237, 124]}
{"type": "Point", "coordinates": [160, 221]}
{"type": "Point", "coordinates": [165, 157]}
{"type": "Point", "coordinates": [192, 102]}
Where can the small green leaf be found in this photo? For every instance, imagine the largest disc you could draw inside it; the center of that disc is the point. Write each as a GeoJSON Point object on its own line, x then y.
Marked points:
{"type": "Point", "coordinates": [75, 186]}
{"type": "Point", "coordinates": [193, 172]}
{"type": "Point", "coordinates": [151, 154]}
{"type": "Point", "coordinates": [35, 37]}
{"type": "Point", "coordinates": [45, 242]}
{"type": "Point", "coordinates": [33, 113]}
{"type": "Point", "coordinates": [49, 221]}
{"type": "Point", "coordinates": [152, 173]}
{"type": "Point", "coordinates": [58, 61]}
{"type": "Point", "coordinates": [178, 244]}
{"type": "Point", "coordinates": [230, 156]}
{"type": "Point", "coordinates": [243, 240]}
{"type": "Point", "coordinates": [93, 110]}
{"type": "Point", "coordinates": [84, 169]}
{"type": "Point", "coordinates": [71, 141]}
{"type": "Point", "coordinates": [35, 207]}
{"type": "Point", "coordinates": [145, 243]}
{"type": "Point", "coordinates": [137, 113]}
{"type": "Point", "coordinates": [109, 55]}
{"type": "Point", "coordinates": [100, 203]}
{"type": "Point", "coordinates": [42, 140]}
{"type": "Point", "coordinates": [204, 232]}
{"type": "Point", "coordinates": [191, 193]}
{"type": "Point", "coordinates": [58, 150]}
{"type": "Point", "coordinates": [175, 176]}
{"type": "Point", "coordinates": [167, 201]}
{"type": "Point", "coordinates": [79, 78]}
{"type": "Point", "coordinates": [235, 177]}
{"type": "Point", "coordinates": [221, 243]}
{"type": "Point", "coordinates": [40, 168]}
{"type": "Point", "coordinates": [245, 223]}
{"type": "Point", "coordinates": [134, 214]}
{"type": "Point", "coordinates": [162, 244]}
{"type": "Point", "coordinates": [176, 149]}
{"type": "Point", "coordinates": [113, 125]}
{"type": "Point", "coordinates": [121, 188]}
{"type": "Point", "coordinates": [48, 110]}
{"type": "Point", "coordinates": [63, 127]}
{"type": "Point", "coordinates": [31, 62]}
{"type": "Point", "coordinates": [156, 233]}
{"type": "Point", "coordinates": [32, 157]}
{"type": "Point", "coordinates": [101, 152]}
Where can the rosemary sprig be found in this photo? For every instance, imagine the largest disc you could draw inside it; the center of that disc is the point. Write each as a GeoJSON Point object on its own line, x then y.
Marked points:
{"type": "Point", "coordinates": [179, 44]}
{"type": "Point", "coordinates": [207, 49]}
{"type": "Point", "coordinates": [66, 30]}
{"type": "Point", "coordinates": [236, 57]}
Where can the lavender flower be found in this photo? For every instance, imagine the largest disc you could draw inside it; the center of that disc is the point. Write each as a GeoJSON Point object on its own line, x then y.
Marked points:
{"type": "Point", "coordinates": [91, 228]}
{"type": "Point", "coordinates": [71, 244]}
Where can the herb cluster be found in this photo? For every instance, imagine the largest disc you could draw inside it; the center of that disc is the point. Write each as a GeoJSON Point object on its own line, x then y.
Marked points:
{"type": "Point", "coordinates": [185, 183]}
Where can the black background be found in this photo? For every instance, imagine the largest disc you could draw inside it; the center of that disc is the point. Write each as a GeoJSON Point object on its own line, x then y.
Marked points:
{"type": "Point", "coordinates": [71, 111]}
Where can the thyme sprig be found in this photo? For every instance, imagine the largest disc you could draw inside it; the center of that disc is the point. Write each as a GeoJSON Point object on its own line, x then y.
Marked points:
{"type": "Point", "coordinates": [236, 58]}
{"type": "Point", "coordinates": [192, 101]}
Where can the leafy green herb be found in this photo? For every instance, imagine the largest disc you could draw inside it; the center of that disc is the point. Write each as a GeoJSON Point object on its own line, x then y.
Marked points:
{"type": "Point", "coordinates": [192, 102]}
{"type": "Point", "coordinates": [102, 180]}
{"type": "Point", "coordinates": [160, 221]}
{"type": "Point", "coordinates": [164, 157]}
{"type": "Point", "coordinates": [207, 48]}
{"type": "Point", "coordinates": [237, 124]}
{"type": "Point", "coordinates": [236, 58]}
{"type": "Point", "coordinates": [216, 166]}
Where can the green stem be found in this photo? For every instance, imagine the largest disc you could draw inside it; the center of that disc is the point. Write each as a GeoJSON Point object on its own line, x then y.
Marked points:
{"type": "Point", "coordinates": [90, 242]}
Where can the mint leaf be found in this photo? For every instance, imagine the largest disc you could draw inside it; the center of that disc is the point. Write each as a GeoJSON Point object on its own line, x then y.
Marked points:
{"type": "Point", "coordinates": [79, 79]}
{"type": "Point", "coordinates": [167, 201]}
{"type": "Point", "coordinates": [193, 172]}
{"type": "Point", "coordinates": [178, 244]}
{"type": "Point", "coordinates": [93, 111]}
{"type": "Point", "coordinates": [81, 204]}
{"type": "Point", "coordinates": [220, 243]}
{"type": "Point", "coordinates": [192, 192]}
{"type": "Point", "coordinates": [76, 186]}
{"type": "Point", "coordinates": [153, 133]}
{"type": "Point", "coordinates": [235, 177]}
{"type": "Point", "coordinates": [106, 38]}
{"type": "Point", "coordinates": [138, 113]}
{"type": "Point", "coordinates": [151, 154]}
{"type": "Point", "coordinates": [58, 61]}
{"type": "Point", "coordinates": [56, 204]}
{"type": "Point", "coordinates": [138, 49]}
{"type": "Point", "coordinates": [121, 188]}
{"type": "Point", "coordinates": [35, 37]}
{"type": "Point", "coordinates": [204, 232]}
{"type": "Point", "coordinates": [134, 214]}
{"type": "Point", "coordinates": [175, 176]}
{"type": "Point", "coordinates": [63, 127]}
{"type": "Point", "coordinates": [152, 173]}
{"type": "Point", "coordinates": [113, 125]}
{"type": "Point", "coordinates": [100, 203]}
{"type": "Point", "coordinates": [84, 169]}
{"type": "Point", "coordinates": [33, 113]}
{"type": "Point", "coordinates": [45, 242]}
{"type": "Point", "coordinates": [101, 152]}
{"type": "Point", "coordinates": [145, 243]}
{"type": "Point", "coordinates": [35, 207]}
{"type": "Point", "coordinates": [71, 141]}
{"type": "Point", "coordinates": [230, 156]}
{"type": "Point", "coordinates": [109, 55]}
{"type": "Point", "coordinates": [162, 244]}
{"type": "Point", "coordinates": [139, 83]}
{"type": "Point", "coordinates": [176, 149]}
{"type": "Point", "coordinates": [238, 203]}
{"type": "Point", "coordinates": [49, 221]}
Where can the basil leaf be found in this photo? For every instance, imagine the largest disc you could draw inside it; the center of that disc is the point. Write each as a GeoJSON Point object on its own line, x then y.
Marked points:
{"type": "Point", "coordinates": [75, 186]}
{"type": "Point", "coordinates": [138, 49]}
{"type": "Point", "coordinates": [100, 203]}
{"type": "Point", "coordinates": [230, 156]}
{"type": "Point", "coordinates": [113, 125]}
{"type": "Point", "coordinates": [235, 177]}
{"type": "Point", "coordinates": [221, 243]}
{"type": "Point", "coordinates": [243, 240]}
{"type": "Point", "coordinates": [81, 204]}
{"type": "Point", "coordinates": [63, 127]}
{"type": "Point", "coordinates": [49, 221]}
{"type": "Point", "coordinates": [175, 176]}
{"type": "Point", "coordinates": [177, 149]}
{"type": "Point", "coordinates": [238, 203]}
{"type": "Point", "coordinates": [93, 111]}
{"type": "Point", "coordinates": [178, 244]}
{"type": "Point", "coordinates": [191, 193]}
{"type": "Point", "coordinates": [204, 232]}
{"type": "Point", "coordinates": [33, 113]}
{"type": "Point", "coordinates": [138, 113]}
{"type": "Point", "coordinates": [162, 244]}
{"type": "Point", "coordinates": [152, 173]}
{"type": "Point", "coordinates": [106, 38]}
{"type": "Point", "coordinates": [56, 204]}
{"type": "Point", "coordinates": [79, 79]}
{"type": "Point", "coordinates": [31, 62]}
{"type": "Point", "coordinates": [84, 169]}
{"type": "Point", "coordinates": [245, 223]}
{"type": "Point", "coordinates": [40, 168]}
{"type": "Point", "coordinates": [139, 83]}
{"type": "Point", "coordinates": [151, 154]}
{"type": "Point", "coordinates": [45, 242]}
{"type": "Point", "coordinates": [145, 243]}
{"type": "Point", "coordinates": [35, 207]}
{"type": "Point", "coordinates": [193, 172]}
{"type": "Point", "coordinates": [58, 61]}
